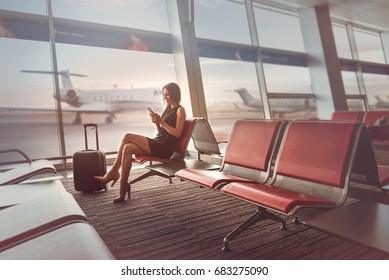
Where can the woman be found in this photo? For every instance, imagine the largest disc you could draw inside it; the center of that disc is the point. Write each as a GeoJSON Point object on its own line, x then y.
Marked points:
{"type": "Point", "coordinates": [169, 126]}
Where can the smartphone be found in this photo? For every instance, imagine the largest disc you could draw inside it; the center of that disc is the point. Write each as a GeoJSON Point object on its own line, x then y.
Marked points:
{"type": "Point", "coordinates": [150, 110]}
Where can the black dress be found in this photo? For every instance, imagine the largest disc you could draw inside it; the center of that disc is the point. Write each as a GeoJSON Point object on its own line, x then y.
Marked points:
{"type": "Point", "coordinates": [164, 143]}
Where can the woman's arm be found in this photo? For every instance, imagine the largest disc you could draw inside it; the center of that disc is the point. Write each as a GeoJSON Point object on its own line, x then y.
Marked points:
{"type": "Point", "coordinates": [180, 122]}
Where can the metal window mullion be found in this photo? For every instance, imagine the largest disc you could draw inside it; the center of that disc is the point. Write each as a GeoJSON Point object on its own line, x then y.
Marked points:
{"type": "Point", "coordinates": [258, 65]}
{"type": "Point", "coordinates": [61, 133]}
{"type": "Point", "coordinates": [355, 57]}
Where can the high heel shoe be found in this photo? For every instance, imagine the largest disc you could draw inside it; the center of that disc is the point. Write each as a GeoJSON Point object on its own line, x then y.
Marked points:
{"type": "Point", "coordinates": [122, 197]}
{"type": "Point", "coordinates": [108, 178]}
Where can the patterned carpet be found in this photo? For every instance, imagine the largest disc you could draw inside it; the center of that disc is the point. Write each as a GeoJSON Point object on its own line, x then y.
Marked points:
{"type": "Point", "coordinates": [183, 221]}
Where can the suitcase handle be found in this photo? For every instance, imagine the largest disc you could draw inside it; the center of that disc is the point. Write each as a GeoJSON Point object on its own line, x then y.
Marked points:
{"type": "Point", "coordinates": [93, 125]}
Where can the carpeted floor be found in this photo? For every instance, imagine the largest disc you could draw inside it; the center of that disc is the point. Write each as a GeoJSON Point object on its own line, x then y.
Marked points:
{"type": "Point", "coordinates": [183, 221]}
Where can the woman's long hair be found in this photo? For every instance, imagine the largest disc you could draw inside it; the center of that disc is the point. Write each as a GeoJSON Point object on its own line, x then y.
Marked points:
{"type": "Point", "coordinates": [174, 93]}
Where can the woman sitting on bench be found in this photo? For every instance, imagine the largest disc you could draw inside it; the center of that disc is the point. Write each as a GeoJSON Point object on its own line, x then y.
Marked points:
{"type": "Point", "coordinates": [169, 126]}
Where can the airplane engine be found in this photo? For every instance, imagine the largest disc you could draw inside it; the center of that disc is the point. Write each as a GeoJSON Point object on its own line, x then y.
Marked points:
{"type": "Point", "coordinates": [71, 96]}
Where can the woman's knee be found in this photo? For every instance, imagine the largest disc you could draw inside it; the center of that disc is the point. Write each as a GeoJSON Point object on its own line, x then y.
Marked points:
{"type": "Point", "coordinates": [127, 138]}
{"type": "Point", "coordinates": [129, 149]}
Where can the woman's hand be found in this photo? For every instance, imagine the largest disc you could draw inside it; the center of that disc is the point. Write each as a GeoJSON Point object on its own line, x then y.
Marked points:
{"type": "Point", "coordinates": [155, 118]}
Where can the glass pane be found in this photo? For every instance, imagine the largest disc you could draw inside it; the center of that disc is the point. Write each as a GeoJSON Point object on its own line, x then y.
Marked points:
{"type": "Point", "coordinates": [114, 92]}
{"type": "Point", "coordinates": [293, 108]}
{"type": "Point", "coordinates": [231, 90]}
{"type": "Point", "coordinates": [355, 105]}
{"type": "Point", "coordinates": [222, 20]}
{"type": "Point", "coordinates": [293, 80]}
{"type": "Point", "coordinates": [341, 41]}
{"type": "Point", "coordinates": [278, 29]}
{"type": "Point", "coordinates": [377, 90]}
{"type": "Point", "coordinates": [350, 82]}
{"type": "Point", "coordinates": [147, 15]}
{"type": "Point", "coordinates": [369, 46]}
{"type": "Point", "coordinates": [32, 7]}
{"type": "Point", "coordinates": [287, 79]}
{"type": "Point", "coordinates": [27, 116]}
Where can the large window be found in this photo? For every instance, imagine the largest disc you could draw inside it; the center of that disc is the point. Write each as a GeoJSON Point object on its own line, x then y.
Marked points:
{"type": "Point", "coordinates": [27, 115]}
{"type": "Point", "coordinates": [146, 15]}
{"type": "Point", "coordinates": [341, 41]}
{"type": "Point", "coordinates": [355, 100]}
{"type": "Point", "coordinates": [369, 46]}
{"type": "Point", "coordinates": [231, 91]}
{"type": "Point", "coordinates": [222, 20]}
{"type": "Point", "coordinates": [376, 88]}
{"type": "Point", "coordinates": [289, 80]}
{"type": "Point", "coordinates": [278, 29]}
{"type": "Point", "coordinates": [106, 75]}
{"type": "Point", "coordinates": [350, 82]}
{"type": "Point", "coordinates": [118, 87]}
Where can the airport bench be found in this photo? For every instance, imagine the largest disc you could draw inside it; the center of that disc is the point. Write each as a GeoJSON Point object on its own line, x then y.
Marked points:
{"type": "Point", "coordinates": [312, 169]}
{"type": "Point", "coordinates": [24, 171]}
{"type": "Point", "coordinates": [378, 133]}
{"type": "Point", "coordinates": [247, 158]}
{"type": "Point", "coordinates": [178, 155]}
{"type": "Point", "coordinates": [366, 170]}
{"type": "Point", "coordinates": [204, 141]}
{"type": "Point", "coordinates": [356, 116]}
{"type": "Point", "coordinates": [369, 118]}
{"type": "Point", "coordinates": [49, 224]}
{"type": "Point", "coordinates": [11, 195]}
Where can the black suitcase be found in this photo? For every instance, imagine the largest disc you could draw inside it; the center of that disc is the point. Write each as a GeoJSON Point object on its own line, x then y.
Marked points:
{"type": "Point", "coordinates": [87, 164]}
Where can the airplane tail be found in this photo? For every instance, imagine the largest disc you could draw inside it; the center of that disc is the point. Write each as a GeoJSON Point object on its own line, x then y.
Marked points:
{"type": "Point", "coordinates": [381, 103]}
{"type": "Point", "coordinates": [244, 94]}
{"type": "Point", "coordinates": [379, 99]}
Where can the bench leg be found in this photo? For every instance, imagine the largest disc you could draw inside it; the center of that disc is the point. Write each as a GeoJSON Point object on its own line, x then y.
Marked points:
{"type": "Point", "coordinates": [296, 221]}
{"type": "Point", "coordinates": [259, 215]}
{"type": "Point", "coordinates": [148, 174]}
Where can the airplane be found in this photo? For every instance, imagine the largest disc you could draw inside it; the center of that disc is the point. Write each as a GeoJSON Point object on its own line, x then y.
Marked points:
{"type": "Point", "coordinates": [101, 101]}
{"type": "Point", "coordinates": [279, 107]}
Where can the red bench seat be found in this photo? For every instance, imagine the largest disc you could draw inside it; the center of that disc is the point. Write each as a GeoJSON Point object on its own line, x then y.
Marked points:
{"type": "Point", "coordinates": [281, 200]}
{"type": "Point", "coordinates": [247, 158]}
{"type": "Point", "coordinates": [209, 178]}
{"type": "Point", "coordinates": [312, 169]}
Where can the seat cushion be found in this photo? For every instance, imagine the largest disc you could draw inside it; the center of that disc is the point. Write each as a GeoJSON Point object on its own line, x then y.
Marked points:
{"type": "Point", "coordinates": [144, 158]}
{"type": "Point", "coordinates": [372, 116]}
{"type": "Point", "coordinates": [208, 178]}
{"type": "Point", "coordinates": [275, 198]}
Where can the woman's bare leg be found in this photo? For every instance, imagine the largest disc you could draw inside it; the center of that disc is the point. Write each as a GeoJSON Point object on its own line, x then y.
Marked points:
{"type": "Point", "coordinates": [143, 148]}
{"type": "Point", "coordinates": [138, 140]}
{"type": "Point", "coordinates": [137, 145]}
{"type": "Point", "coordinates": [128, 151]}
